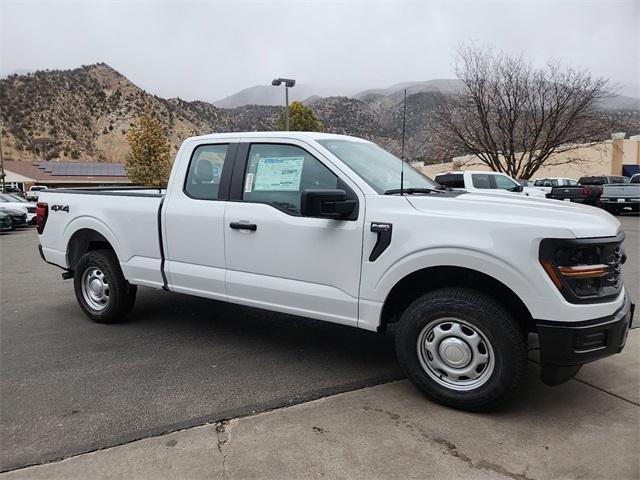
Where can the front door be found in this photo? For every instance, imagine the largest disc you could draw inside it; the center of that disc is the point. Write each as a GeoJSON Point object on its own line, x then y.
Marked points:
{"type": "Point", "coordinates": [277, 259]}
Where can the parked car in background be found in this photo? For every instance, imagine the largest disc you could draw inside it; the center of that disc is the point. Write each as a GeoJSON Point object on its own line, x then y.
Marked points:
{"type": "Point", "coordinates": [18, 214]}
{"type": "Point", "coordinates": [5, 222]}
{"type": "Point", "coordinates": [34, 192]}
{"type": "Point", "coordinates": [546, 184]}
{"type": "Point", "coordinates": [588, 191]}
{"type": "Point", "coordinates": [618, 197]}
{"type": "Point", "coordinates": [483, 181]}
{"type": "Point", "coordinates": [10, 199]}
{"type": "Point", "coordinates": [326, 227]}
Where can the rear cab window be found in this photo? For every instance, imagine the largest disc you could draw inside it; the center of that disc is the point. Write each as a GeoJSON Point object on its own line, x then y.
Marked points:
{"type": "Point", "coordinates": [481, 180]}
{"type": "Point", "coordinates": [451, 180]}
{"type": "Point", "coordinates": [592, 180]}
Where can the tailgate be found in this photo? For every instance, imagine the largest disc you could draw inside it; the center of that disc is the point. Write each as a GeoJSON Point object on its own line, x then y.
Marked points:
{"type": "Point", "coordinates": [567, 192]}
{"type": "Point", "coordinates": [621, 191]}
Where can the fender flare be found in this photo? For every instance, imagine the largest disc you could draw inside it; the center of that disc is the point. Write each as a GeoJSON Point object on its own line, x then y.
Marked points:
{"type": "Point", "coordinates": [490, 265]}
{"type": "Point", "coordinates": [87, 222]}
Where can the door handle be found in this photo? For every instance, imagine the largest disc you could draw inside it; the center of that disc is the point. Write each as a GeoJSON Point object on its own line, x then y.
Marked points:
{"type": "Point", "coordinates": [243, 226]}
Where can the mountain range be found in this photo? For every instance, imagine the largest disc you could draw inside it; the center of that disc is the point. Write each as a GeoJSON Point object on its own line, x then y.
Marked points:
{"type": "Point", "coordinates": [85, 113]}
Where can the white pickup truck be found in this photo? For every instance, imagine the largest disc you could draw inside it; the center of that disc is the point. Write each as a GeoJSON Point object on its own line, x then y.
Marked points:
{"type": "Point", "coordinates": [486, 182]}
{"type": "Point", "coordinates": [319, 225]}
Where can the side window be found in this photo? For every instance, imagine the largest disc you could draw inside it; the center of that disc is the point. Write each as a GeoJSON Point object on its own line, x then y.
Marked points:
{"type": "Point", "coordinates": [504, 183]}
{"type": "Point", "coordinates": [205, 171]}
{"type": "Point", "coordinates": [572, 182]}
{"type": "Point", "coordinates": [277, 175]}
{"type": "Point", "coordinates": [481, 180]}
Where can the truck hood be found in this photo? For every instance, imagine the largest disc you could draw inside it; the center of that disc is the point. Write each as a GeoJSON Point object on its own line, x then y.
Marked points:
{"type": "Point", "coordinates": [12, 208]}
{"type": "Point", "coordinates": [581, 220]}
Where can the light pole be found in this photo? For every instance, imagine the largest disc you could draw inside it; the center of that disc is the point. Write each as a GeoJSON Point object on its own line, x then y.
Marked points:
{"type": "Point", "coordinates": [2, 174]}
{"type": "Point", "coordinates": [288, 82]}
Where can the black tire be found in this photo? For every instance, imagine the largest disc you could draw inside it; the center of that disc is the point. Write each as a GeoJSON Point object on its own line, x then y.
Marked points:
{"type": "Point", "coordinates": [121, 294]}
{"type": "Point", "coordinates": [506, 340]}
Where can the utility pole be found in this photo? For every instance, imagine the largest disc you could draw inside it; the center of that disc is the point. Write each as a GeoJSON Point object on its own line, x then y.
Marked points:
{"type": "Point", "coordinates": [288, 83]}
{"type": "Point", "coordinates": [2, 174]}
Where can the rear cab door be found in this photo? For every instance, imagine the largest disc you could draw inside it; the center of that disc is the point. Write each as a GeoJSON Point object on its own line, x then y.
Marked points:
{"type": "Point", "coordinates": [193, 217]}
{"type": "Point", "coordinates": [276, 258]}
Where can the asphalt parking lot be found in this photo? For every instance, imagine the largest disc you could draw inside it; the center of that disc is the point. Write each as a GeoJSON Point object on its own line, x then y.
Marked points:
{"type": "Point", "coordinates": [70, 386]}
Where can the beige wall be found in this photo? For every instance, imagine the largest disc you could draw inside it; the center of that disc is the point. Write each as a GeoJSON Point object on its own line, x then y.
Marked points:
{"type": "Point", "coordinates": [586, 160]}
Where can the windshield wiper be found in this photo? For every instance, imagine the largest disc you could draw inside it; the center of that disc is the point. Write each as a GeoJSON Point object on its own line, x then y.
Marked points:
{"type": "Point", "coordinates": [410, 191]}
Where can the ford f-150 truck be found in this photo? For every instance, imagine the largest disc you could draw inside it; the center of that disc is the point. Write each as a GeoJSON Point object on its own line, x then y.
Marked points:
{"type": "Point", "coordinates": [322, 226]}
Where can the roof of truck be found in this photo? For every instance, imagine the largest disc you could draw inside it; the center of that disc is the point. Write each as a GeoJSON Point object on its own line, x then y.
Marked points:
{"type": "Point", "coordinates": [454, 172]}
{"type": "Point", "coordinates": [279, 134]}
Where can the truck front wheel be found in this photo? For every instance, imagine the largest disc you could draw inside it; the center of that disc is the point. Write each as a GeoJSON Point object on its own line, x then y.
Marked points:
{"type": "Point", "coordinates": [102, 292]}
{"type": "Point", "coordinates": [462, 348]}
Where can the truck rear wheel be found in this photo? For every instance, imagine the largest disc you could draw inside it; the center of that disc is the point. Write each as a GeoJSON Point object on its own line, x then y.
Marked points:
{"type": "Point", "coordinates": [101, 289]}
{"type": "Point", "coordinates": [462, 348]}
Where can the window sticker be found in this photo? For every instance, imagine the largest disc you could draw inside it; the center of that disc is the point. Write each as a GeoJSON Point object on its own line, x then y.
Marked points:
{"type": "Point", "coordinates": [248, 183]}
{"type": "Point", "coordinates": [279, 174]}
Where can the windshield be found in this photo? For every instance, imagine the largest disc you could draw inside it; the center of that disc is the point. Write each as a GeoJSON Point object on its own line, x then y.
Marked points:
{"type": "Point", "coordinates": [14, 198]}
{"type": "Point", "coordinates": [5, 197]}
{"type": "Point", "coordinates": [376, 166]}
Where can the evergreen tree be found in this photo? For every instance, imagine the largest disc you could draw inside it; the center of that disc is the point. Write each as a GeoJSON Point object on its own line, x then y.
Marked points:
{"type": "Point", "coordinates": [149, 158]}
{"type": "Point", "coordinates": [301, 119]}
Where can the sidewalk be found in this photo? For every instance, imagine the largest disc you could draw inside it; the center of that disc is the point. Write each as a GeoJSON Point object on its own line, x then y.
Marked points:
{"type": "Point", "coordinates": [586, 428]}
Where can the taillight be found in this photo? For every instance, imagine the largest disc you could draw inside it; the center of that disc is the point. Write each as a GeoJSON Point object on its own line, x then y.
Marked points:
{"type": "Point", "coordinates": [586, 191]}
{"type": "Point", "coordinates": [42, 212]}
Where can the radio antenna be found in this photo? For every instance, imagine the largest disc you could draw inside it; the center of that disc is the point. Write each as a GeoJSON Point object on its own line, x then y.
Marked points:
{"type": "Point", "coordinates": [404, 121]}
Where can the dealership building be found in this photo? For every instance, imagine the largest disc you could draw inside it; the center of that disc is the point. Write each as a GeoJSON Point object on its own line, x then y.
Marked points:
{"type": "Point", "coordinates": [618, 156]}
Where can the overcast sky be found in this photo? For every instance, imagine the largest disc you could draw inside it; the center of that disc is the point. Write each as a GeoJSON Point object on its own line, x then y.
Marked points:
{"type": "Point", "coordinates": [207, 50]}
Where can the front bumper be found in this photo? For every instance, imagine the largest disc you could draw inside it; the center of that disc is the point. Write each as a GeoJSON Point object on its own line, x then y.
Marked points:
{"type": "Point", "coordinates": [565, 347]}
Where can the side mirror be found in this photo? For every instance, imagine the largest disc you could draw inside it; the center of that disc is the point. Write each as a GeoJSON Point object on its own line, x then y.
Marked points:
{"type": "Point", "coordinates": [517, 188]}
{"type": "Point", "coordinates": [326, 204]}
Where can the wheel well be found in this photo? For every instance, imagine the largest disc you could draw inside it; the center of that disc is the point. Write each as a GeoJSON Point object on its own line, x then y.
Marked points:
{"type": "Point", "coordinates": [83, 241]}
{"type": "Point", "coordinates": [419, 282]}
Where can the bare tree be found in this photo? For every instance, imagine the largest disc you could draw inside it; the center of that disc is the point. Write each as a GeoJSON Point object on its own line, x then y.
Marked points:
{"type": "Point", "coordinates": [513, 117]}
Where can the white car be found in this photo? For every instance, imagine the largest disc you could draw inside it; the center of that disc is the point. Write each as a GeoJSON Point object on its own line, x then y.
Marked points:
{"type": "Point", "coordinates": [322, 226]}
{"type": "Point", "coordinates": [546, 184]}
{"type": "Point", "coordinates": [485, 181]}
{"type": "Point", "coordinates": [34, 192]}
{"type": "Point", "coordinates": [21, 203]}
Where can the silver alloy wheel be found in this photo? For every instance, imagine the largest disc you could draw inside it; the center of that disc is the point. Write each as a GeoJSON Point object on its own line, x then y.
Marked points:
{"type": "Point", "coordinates": [95, 288]}
{"type": "Point", "coordinates": [455, 353]}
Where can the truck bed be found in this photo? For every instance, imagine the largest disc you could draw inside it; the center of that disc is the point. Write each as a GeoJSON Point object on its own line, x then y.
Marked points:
{"type": "Point", "coordinates": [127, 217]}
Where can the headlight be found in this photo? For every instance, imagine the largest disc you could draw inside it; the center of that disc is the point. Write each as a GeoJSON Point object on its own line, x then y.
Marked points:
{"type": "Point", "coordinates": [584, 270]}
